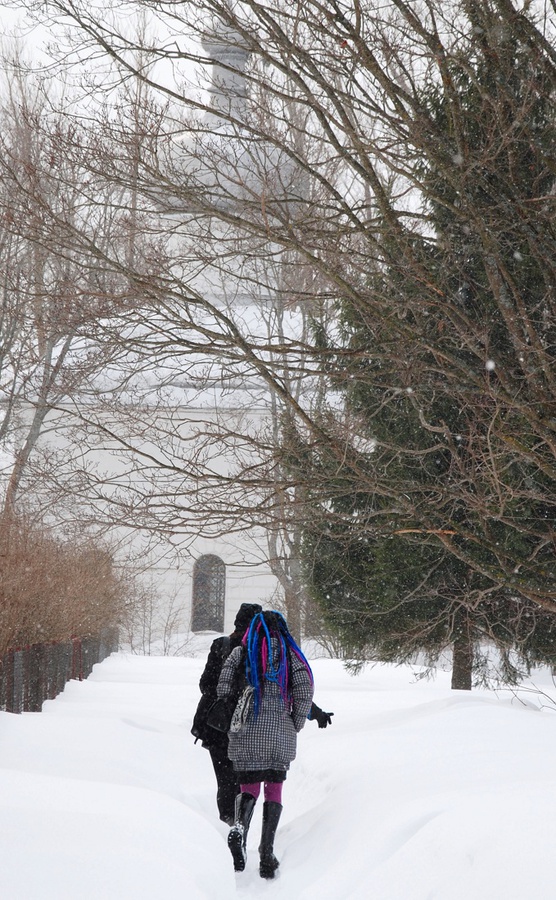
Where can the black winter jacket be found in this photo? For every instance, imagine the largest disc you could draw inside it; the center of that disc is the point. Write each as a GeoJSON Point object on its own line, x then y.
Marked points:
{"type": "Point", "coordinates": [219, 651]}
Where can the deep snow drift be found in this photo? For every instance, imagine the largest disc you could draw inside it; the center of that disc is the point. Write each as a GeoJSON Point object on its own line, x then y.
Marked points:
{"type": "Point", "coordinates": [414, 793]}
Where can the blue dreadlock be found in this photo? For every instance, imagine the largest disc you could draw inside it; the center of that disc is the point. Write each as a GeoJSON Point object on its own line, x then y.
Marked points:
{"type": "Point", "coordinates": [259, 662]}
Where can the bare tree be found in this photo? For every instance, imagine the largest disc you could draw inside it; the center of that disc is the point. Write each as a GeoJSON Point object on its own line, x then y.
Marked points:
{"type": "Point", "coordinates": [54, 590]}
{"type": "Point", "coordinates": [408, 134]}
{"type": "Point", "coordinates": [49, 300]}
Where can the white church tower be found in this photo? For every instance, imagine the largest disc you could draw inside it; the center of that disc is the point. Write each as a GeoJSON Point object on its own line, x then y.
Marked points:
{"type": "Point", "coordinates": [229, 168]}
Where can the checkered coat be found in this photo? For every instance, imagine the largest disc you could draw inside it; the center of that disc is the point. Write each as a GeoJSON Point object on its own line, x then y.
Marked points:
{"type": "Point", "coordinates": [270, 741]}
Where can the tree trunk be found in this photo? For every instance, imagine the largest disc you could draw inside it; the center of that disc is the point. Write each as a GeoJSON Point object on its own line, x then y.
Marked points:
{"type": "Point", "coordinates": [462, 662]}
{"type": "Point", "coordinates": [22, 458]}
{"type": "Point", "coordinates": [293, 611]}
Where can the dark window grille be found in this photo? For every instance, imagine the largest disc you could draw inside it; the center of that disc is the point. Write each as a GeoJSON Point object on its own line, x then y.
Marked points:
{"type": "Point", "coordinates": [209, 588]}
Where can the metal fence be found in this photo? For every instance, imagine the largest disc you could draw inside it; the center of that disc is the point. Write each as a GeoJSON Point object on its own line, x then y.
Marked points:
{"type": "Point", "coordinates": [30, 675]}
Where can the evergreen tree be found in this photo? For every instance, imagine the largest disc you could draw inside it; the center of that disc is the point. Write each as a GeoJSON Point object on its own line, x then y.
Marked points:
{"type": "Point", "coordinates": [423, 561]}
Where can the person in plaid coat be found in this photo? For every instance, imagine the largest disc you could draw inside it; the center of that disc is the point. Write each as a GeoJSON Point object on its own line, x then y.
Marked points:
{"type": "Point", "coordinates": [261, 751]}
{"type": "Point", "coordinates": [216, 742]}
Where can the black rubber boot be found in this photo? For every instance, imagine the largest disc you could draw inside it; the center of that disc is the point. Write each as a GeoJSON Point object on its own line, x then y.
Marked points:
{"type": "Point", "coordinates": [237, 838]}
{"type": "Point", "coordinates": [271, 816]}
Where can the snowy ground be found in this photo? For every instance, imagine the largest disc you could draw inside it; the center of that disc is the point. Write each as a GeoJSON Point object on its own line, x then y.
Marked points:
{"type": "Point", "coordinates": [414, 793]}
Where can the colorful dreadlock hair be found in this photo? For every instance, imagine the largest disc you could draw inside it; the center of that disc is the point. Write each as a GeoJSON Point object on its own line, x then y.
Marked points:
{"type": "Point", "coordinates": [259, 661]}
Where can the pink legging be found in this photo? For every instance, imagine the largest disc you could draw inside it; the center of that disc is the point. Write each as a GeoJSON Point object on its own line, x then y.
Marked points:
{"type": "Point", "coordinates": [272, 790]}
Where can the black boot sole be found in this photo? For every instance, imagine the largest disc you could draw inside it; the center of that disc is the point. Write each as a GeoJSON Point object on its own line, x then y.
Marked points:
{"type": "Point", "coordinates": [235, 843]}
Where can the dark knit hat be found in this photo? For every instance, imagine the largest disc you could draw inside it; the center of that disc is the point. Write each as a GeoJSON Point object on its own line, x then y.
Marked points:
{"type": "Point", "coordinates": [245, 613]}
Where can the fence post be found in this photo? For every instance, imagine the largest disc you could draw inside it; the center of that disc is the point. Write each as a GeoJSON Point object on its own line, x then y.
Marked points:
{"type": "Point", "coordinates": [18, 682]}
{"type": "Point", "coordinates": [77, 660]}
{"type": "Point", "coordinates": [36, 692]}
{"type": "Point", "coordinates": [4, 682]}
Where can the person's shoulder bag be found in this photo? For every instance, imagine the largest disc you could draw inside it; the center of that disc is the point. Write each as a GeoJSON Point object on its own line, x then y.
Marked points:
{"type": "Point", "coordinates": [222, 716]}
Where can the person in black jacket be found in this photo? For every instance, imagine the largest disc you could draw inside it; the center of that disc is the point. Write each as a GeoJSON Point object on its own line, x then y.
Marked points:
{"type": "Point", "coordinates": [216, 742]}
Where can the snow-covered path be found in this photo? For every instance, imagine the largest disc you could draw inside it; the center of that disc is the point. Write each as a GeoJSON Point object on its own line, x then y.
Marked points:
{"type": "Point", "coordinates": [414, 793]}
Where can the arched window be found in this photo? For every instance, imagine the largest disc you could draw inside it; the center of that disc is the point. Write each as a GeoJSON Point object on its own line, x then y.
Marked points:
{"type": "Point", "coordinates": [209, 586]}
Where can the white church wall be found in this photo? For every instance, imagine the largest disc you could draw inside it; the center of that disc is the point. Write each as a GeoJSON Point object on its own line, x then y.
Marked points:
{"type": "Point", "coordinates": [164, 558]}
